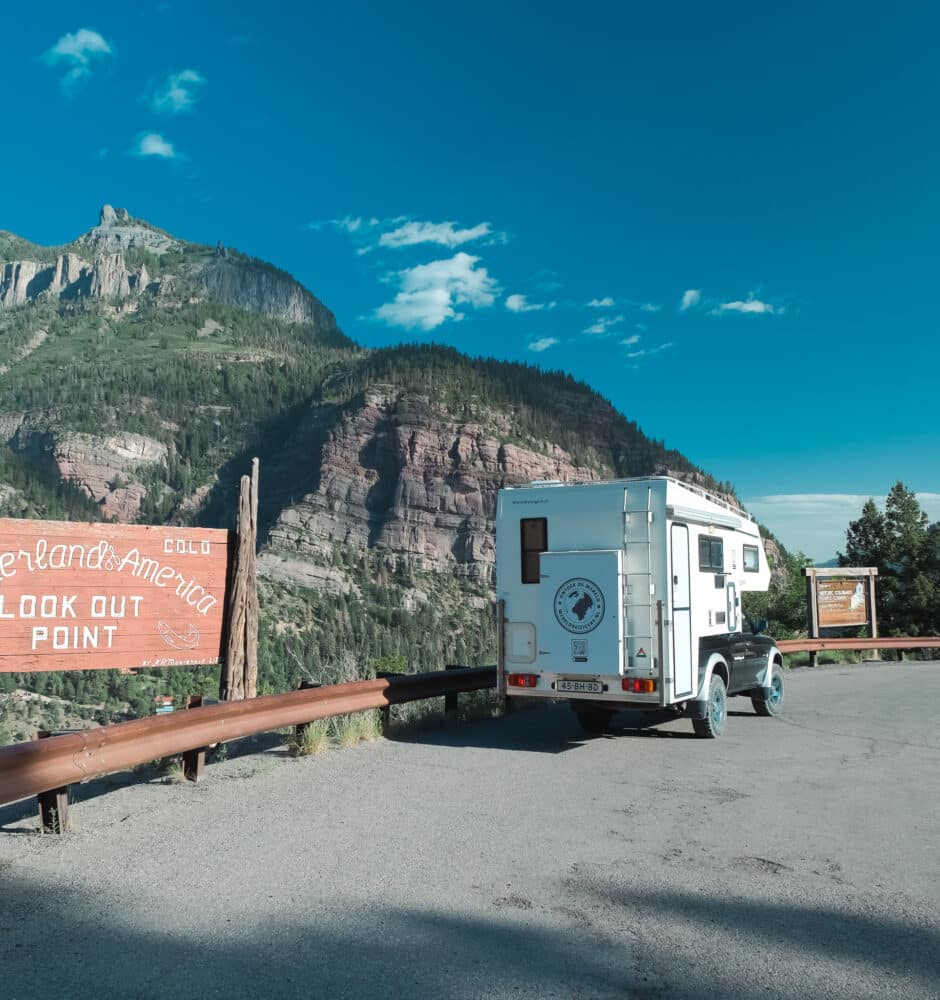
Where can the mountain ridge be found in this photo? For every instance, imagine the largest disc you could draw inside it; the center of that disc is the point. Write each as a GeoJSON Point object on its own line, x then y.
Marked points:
{"type": "Point", "coordinates": [146, 400]}
{"type": "Point", "coordinates": [95, 266]}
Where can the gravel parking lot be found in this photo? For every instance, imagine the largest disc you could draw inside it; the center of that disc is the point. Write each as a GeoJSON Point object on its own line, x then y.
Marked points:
{"type": "Point", "coordinates": [794, 857]}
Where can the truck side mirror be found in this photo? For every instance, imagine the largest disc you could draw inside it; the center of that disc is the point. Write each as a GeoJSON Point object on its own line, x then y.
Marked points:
{"type": "Point", "coordinates": [761, 626]}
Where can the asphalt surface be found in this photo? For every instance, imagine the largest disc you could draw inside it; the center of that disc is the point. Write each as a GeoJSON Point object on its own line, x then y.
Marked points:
{"type": "Point", "coordinates": [794, 857]}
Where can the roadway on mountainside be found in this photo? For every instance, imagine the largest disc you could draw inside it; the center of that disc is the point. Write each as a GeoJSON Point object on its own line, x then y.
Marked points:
{"type": "Point", "coordinates": [794, 857]}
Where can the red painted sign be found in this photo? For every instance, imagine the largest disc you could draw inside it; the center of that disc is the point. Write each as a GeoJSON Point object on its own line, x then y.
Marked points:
{"type": "Point", "coordinates": [99, 596]}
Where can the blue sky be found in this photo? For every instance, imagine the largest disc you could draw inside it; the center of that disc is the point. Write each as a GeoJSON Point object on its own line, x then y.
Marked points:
{"type": "Point", "coordinates": [722, 216]}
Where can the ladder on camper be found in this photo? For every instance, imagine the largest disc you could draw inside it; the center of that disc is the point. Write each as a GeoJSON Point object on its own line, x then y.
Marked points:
{"type": "Point", "coordinates": [638, 591]}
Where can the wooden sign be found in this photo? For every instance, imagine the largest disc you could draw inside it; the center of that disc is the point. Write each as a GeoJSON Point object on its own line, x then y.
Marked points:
{"type": "Point", "coordinates": [841, 602]}
{"type": "Point", "coordinates": [99, 596]}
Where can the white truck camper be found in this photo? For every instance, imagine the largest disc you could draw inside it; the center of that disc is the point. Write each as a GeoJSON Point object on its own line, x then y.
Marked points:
{"type": "Point", "coordinates": [627, 595]}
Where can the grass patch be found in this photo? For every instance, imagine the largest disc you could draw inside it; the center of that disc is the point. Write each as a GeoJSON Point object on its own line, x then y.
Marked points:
{"type": "Point", "coordinates": [312, 739]}
{"type": "Point", "coordinates": [173, 773]}
{"type": "Point", "coordinates": [348, 730]}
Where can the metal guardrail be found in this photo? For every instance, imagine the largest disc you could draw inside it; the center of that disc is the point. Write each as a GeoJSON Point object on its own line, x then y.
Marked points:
{"type": "Point", "coordinates": [888, 642]}
{"type": "Point", "coordinates": [48, 766]}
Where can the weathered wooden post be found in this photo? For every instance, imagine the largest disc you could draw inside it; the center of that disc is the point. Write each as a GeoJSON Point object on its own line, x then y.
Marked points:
{"type": "Point", "coordinates": [239, 677]}
{"type": "Point", "coordinates": [251, 624]}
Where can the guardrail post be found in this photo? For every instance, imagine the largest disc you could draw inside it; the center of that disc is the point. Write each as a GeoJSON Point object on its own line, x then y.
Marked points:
{"type": "Point", "coordinates": [301, 728]}
{"type": "Point", "coordinates": [194, 761]}
{"type": "Point", "coordinates": [450, 700]}
{"type": "Point", "coordinates": [386, 710]}
{"type": "Point", "coordinates": [54, 804]}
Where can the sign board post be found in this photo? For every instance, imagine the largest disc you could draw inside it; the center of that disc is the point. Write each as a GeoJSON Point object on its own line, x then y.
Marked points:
{"type": "Point", "coordinates": [840, 598]}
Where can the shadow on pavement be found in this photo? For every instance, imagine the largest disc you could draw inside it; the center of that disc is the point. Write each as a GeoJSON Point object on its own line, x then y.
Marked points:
{"type": "Point", "coordinates": [548, 729]}
{"type": "Point", "coordinates": [145, 774]}
{"type": "Point", "coordinates": [60, 941]}
{"type": "Point", "coordinates": [905, 954]}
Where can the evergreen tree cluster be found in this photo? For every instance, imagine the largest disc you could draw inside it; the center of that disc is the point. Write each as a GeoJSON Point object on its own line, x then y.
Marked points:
{"type": "Point", "coordinates": [548, 406]}
{"type": "Point", "coordinates": [906, 550]}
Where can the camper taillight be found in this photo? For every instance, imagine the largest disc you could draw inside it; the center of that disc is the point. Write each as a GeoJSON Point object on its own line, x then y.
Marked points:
{"type": "Point", "coordinates": [639, 685]}
{"type": "Point", "coordinates": [523, 680]}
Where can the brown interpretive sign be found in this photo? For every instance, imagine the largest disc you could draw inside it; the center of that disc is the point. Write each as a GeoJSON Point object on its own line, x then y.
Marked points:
{"type": "Point", "coordinates": [101, 596]}
{"type": "Point", "coordinates": [841, 602]}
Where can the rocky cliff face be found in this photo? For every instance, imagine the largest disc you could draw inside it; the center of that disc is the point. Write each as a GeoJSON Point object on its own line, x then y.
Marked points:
{"type": "Point", "coordinates": [398, 473]}
{"type": "Point", "coordinates": [261, 289]}
{"type": "Point", "coordinates": [105, 467]}
{"type": "Point", "coordinates": [117, 232]}
{"type": "Point", "coordinates": [96, 269]}
{"type": "Point", "coordinates": [70, 277]}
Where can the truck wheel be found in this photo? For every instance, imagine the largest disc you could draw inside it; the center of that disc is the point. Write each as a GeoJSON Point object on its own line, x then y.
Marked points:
{"type": "Point", "coordinates": [713, 725]}
{"type": "Point", "coordinates": [774, 702]}
{"type": "Point", "coordinates": [595, 721]}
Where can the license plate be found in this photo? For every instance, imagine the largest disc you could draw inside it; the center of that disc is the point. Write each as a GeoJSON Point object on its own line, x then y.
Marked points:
{"type": "Point", "coordinates": [580, 687]}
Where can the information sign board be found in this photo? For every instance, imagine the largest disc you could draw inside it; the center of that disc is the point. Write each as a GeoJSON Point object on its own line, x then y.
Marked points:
{"type": "Point", "coordinates": [841, 602]}
{"type": "Point", "coordinates": [96, 596]}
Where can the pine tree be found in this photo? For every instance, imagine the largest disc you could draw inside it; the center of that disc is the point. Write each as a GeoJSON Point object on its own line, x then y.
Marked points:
{"type": "Point", "coordinates": [907, 554]}
{"type": "Point", "coordinates": [866, 539]}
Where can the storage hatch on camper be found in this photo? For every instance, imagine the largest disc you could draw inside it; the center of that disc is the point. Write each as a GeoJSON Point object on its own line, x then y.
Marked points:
{"type": "Point", "coordinates": [580, 623]}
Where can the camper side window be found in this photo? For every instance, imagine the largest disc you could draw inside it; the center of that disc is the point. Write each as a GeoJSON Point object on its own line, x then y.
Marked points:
{"type": "Point", "coordinates": [711, 554]}
{"type": "Point", "coordinates": [534, 543]}
{"type": "Point", "coordinates": [751, 559]}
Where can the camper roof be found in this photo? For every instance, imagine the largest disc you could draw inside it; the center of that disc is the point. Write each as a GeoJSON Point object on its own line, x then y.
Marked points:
{"type": "Point", "coordinates": [705, 494]}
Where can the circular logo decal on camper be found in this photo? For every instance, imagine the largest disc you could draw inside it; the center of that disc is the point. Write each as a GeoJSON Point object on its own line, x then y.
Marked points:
{"type": "Point", "coordinates": [579, 605]}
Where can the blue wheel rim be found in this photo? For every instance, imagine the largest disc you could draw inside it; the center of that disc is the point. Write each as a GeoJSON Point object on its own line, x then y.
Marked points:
{"type": "Point", "coordinates": [776, 689]}
{"type": "Point", "coordinates": [717, 709]}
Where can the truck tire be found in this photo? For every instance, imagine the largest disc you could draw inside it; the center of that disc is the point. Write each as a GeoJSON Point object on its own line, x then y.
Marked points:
{"type": "Point", "coordinates": [595, 721]}
{"type": "Point", "coordinates": [716, 715]}
{"type": "Point", "coordinates": [774, 703]}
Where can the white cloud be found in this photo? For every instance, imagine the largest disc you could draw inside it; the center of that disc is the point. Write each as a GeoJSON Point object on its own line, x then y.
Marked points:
{"type": "Point", "coordinates": [521, 304]}
{"type": "Point", "coordinates": [78, 52]}
{"type": "Point", "coordinates": [178, 93]}
{"type": "Point", "coordinates": [413, 233]}
{"type": "Point", "coordinates": [400, 231]}
{"type": "Point", "coordinates": [543, 345]}
{"type": "Point", "coordinates": [603, 325]}
{"type": "Point", "coordinates": [631, 340]}
{"type": "Point", "coordinates": [691, 297]}
{"type": "Point", "coordinates": [815, 523]}
{"type": "Point", "coordinates": [152, 144]}
{"type": "Point", "coordinates": [650, 307]}
{"type": "Point", "coordinates": [429, 293]}
{"type": "Point", "coordinates": [605, 303]}
{"type": "Point", "coordinates": [647, 351]}
{"type": "Point", "coordinates": [348, 224]}
{"type": "Point", "coordinates": [749, 305]}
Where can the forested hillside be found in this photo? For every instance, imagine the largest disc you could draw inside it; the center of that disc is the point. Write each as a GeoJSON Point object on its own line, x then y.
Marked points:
{"type": "Point", "coordinates": [138, 376]}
